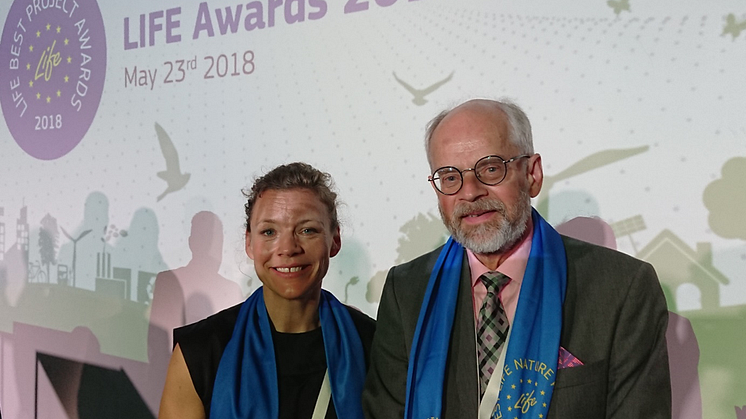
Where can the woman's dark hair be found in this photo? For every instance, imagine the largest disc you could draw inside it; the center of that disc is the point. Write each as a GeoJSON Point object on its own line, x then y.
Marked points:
{"type": "Point", "coordinates": [294, 176]}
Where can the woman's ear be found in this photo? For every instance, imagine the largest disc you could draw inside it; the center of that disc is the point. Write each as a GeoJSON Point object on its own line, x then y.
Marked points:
{"type": "Point", "coordinates": [336, 243]}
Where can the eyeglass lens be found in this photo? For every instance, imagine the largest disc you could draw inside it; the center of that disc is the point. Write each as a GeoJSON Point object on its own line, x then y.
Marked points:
{"type": "Point", "coordinates": [489, 170]}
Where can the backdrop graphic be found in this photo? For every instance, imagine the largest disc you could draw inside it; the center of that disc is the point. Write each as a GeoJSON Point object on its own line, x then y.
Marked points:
{"type": "Point", "coordinates": [130, 130]}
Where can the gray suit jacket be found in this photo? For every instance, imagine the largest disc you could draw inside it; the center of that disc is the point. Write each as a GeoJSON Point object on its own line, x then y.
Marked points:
{"type": "Point", "coordinates": [614, 321]}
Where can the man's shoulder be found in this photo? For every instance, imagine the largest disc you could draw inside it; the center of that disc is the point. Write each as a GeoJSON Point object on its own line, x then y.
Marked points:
{"type": "Point", "coordinates": [579, 251]}
{"type": "Point", "coordinates": [601, 272]}
{"type": "Point", "coordinates": [428, 258]}
{"type": "Point", "coordinates": [419, 266]}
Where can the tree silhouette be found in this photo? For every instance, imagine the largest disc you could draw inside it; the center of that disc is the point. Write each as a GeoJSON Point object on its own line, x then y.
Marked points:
{"type": "Point", "coordinates": [48, 236]}
{"type": "Point", "coordinates": [725, 199]}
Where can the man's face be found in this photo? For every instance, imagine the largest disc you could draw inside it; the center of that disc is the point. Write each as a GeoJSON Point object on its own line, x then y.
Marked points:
{"type": "Point", "coordinates": [485, 219]}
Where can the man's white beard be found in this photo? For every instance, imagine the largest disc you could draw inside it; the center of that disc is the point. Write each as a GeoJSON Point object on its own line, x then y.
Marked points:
{"type": "Point", "coordinates": [495, 236]}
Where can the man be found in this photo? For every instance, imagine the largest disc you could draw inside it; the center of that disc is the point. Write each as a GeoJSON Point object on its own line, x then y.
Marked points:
{"type": "Point", "coordinates": [510, 319]}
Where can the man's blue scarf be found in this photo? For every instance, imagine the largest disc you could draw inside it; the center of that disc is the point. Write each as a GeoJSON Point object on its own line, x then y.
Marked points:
{"type": "Point", "coordinates": [532, 353]}
{"type": "Point", "coordinates": [246, 381]}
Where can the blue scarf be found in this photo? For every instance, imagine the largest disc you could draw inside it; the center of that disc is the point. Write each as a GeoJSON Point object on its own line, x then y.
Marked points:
{"type": "Point", "coordinates": [532, 353]}
{"type": "Point", "coordinates": [246, 381]}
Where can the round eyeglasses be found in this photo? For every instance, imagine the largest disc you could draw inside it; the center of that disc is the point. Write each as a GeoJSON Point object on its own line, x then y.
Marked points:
{"type": "Point", "coordinates": [490, 170]}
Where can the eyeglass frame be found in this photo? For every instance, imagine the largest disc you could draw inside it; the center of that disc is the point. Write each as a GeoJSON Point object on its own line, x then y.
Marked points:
{"type": "Point", "coordinates": [432, 177]}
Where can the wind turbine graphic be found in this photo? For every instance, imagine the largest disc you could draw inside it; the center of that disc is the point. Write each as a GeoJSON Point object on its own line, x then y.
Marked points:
{"type": "Point", "coordinates": [75, 247]}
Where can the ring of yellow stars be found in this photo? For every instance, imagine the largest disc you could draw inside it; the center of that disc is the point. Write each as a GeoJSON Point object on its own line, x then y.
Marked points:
{"type": "Point", "coordinates": [49, 99]}
{"type": "Point", "coordinates": [48, 26]}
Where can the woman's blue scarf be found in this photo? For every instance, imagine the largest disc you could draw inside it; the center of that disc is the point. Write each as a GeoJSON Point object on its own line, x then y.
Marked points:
{"type": "Point", "coordinates": [532, 353]}
{"type": "Point", "coordinates": [246, 381]}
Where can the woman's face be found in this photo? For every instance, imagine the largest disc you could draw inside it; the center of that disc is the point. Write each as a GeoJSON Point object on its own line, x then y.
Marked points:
{"type": "Point", "coordinates": [290, 241]}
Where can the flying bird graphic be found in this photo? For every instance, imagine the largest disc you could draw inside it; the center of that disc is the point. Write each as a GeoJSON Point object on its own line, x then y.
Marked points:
{"type": "Point", "coordinates": [172, 175]}
{"type": "Point", "coordinates": [732, 27]}
{"type": "Point", "coordinates": [419, 94]}
{"type": "Point", "coordinates": [618, 5]}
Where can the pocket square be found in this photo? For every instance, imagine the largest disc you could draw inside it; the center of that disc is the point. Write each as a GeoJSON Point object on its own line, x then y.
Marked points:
{"type": "Point", "coordinates": [567, 360]}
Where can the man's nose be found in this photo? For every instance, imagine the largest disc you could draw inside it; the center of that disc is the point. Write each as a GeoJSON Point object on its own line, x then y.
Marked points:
{"type": "Point", "coordinates": [472, 187]}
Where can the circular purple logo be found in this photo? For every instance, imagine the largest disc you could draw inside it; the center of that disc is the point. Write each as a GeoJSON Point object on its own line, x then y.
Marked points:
{"type": "Point", "coordinates": [52, 71]}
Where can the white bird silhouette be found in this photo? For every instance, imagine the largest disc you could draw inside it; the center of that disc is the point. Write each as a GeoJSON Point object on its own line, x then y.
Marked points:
{"type": "Point", "coordinates": [172, 175]}
{"type": "Point", "coordinates": [419, 94]}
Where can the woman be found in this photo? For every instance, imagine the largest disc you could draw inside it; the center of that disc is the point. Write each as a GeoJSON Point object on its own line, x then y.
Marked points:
{"type": "Point", "coordinates": [291, 350]}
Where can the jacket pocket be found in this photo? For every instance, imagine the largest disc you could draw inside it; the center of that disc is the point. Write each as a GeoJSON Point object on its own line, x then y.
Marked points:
{"type": "Point", "coordinates": [583, 374]}
{"type": "Point", "coordinates": [580, 392]}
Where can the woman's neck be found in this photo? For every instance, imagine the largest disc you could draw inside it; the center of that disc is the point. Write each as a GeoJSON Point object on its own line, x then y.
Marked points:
{"type": "Point", "coordinates": [293, 316]}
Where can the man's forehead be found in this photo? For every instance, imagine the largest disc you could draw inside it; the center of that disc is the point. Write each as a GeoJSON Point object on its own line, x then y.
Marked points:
{"type": "Point", "coordinates": [474, 117]}
{"type": "Point", "coordinates": [469, 129]}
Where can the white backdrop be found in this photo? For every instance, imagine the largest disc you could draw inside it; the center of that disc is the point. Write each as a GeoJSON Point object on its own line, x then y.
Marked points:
{"type": "Point", "coordinates": [637, 111]}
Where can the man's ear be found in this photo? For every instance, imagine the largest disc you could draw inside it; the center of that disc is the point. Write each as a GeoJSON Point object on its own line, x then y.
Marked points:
{"type": "Point", "coordinates": [535, 175]}
{"type": "Point", "coordinates": [336, 243]}
{"type": "Point", "coordinates": [249, 250]}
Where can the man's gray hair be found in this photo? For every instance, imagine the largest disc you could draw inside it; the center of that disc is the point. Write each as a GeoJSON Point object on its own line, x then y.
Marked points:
{"type": "Point", "coordinates": [519, 131]}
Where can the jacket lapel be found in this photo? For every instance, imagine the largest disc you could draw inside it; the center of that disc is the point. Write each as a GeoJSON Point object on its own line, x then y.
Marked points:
{"type": "Point", "coordinates": [463, 358]}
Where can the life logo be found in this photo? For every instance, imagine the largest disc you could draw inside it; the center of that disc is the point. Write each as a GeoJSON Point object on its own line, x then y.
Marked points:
{"type": "Point", "coordinates": [52, 71]}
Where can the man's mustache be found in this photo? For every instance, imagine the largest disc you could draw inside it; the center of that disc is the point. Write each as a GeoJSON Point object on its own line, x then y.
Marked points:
{"type": "Point", "coordinates": [483, 205]}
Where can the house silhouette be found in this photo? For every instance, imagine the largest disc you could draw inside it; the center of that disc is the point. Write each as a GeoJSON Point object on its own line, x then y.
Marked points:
{"type": "Point", "coordinates": [678, 264]}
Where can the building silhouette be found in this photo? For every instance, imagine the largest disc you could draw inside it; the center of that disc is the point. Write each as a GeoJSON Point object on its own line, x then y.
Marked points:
{"type": "Point", "coordinates": [677, 265]}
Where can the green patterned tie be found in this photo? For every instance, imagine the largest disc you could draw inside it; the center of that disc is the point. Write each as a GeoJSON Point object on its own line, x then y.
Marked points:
{"type": "Point", "coordinates": [492, 327]}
